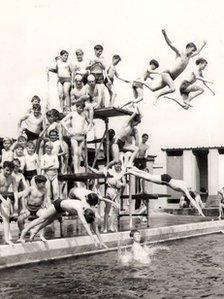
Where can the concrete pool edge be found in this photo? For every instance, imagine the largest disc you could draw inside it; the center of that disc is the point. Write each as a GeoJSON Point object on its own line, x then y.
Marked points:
{"type": "Point", "coordinates": [23, 254]}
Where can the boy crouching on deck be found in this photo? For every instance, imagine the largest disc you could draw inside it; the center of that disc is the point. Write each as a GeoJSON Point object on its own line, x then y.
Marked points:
{"type": "Point", "coordinates": [33, 199]}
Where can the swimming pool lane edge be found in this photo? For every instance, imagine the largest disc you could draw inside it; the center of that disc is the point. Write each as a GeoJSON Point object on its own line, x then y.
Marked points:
{"type": "Point", "coordinates": [38, 251]}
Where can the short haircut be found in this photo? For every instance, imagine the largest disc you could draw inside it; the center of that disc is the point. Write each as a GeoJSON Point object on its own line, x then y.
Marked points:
{"type": "Point", "coordinates": [111, 133]}
{"type": "Point", "coordinates": [66, 107]}
{"type": "Point", "coordinates": [48, 144]}
{"type": "Point", "coordinates": [8, 164]}
{"type": "Point", "coordinates": [91, 78]}
{"type": "Point", "coordinates": [17, 161]}
{"type": "Point", "coordinates": [7, 139]}
{"type": "Point", "coordinates": [35, 98]}
{"type": "Point", "coordinates": [133, 231]}
{"type": "Point", "coordinates": [40, 179]}
{"type": "Point", "coordinates": [98, 47]}
{"type": "Point", "coordinates": [18, 145]}
{"type": "Point", "coordinates": [89, 215]}
{"type": "Point", "coordinates": [118, 57]}
{"type": "Point", "coordinates": [53, 131]}
{"type": "Point", "coordinates": [22, 137]}
{"type": "Point", "coordinates": [154, 62]}
{"type": "Point", "coordinates": [79, 51]}
{"type": "Point", "coordinates": [92, 199]}
{"type": "Point", "coordinates": [63, 52]}
{"type": "Point", "coordinates": [191, 45]}
{"type": "Point", "coordinates": [201, 60]}
{"type": "Point", "coordinates": [29, 143]}
{"type": "Point", "coordinates": [55, 113]}
{"type": "Point", "coordinates": [78, 77]}
{"type": "Point", "coordinates": [145, 135]}
{"type": "Point", "coordinates": [37, 107]}
{"type": "Point", "coordinates": [80, 104]}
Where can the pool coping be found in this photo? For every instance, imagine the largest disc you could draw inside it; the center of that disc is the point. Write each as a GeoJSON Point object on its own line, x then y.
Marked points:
{"type": "Point", "coordinates": [38, 251]}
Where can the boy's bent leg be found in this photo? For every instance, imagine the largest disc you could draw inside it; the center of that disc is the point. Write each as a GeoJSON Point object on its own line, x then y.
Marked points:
{"type": "Point", "coordinates": [168, 83]}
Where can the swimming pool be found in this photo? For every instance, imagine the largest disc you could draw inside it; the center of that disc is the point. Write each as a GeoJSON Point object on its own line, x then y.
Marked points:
{"type": "Point", "coordinates": [190, 268]}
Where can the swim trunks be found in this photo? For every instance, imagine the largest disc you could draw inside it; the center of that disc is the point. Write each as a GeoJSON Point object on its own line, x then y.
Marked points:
{"type": "Point", "coordinates": [171, 75]}
{"type": "Point", "coordinates": [120, 144]}
{"type": "Point", "coordinates": [62, 80]}
{"type": "Point", "coordinates": [31, 135]}
{"type": "Point", "coordinates": [140, 164]}
{"type": "Point", "coordinates": [166, 178]}
{"type": "Point", "coordinates": [29, 174]}
{"type": "Point", "coordinates": [111, 80]}
{"type": "Point", "coordinates": [57, 205]}
{"type": "Point", "coordinates": [184, 85]}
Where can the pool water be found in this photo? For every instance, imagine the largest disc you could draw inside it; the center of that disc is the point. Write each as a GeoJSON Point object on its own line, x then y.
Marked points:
{"type": "Point", "coordinates": [189, 268]}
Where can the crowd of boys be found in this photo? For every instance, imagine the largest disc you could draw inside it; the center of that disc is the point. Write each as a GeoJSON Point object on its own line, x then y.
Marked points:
{"type": "Point", "coordinates": [51, 142]}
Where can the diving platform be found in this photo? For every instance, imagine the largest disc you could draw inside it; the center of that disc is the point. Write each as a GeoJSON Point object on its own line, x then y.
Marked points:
{"type": "Point", "coordinates": [104, 113]}
{"type": "Point", "coordinates": [81, 177]}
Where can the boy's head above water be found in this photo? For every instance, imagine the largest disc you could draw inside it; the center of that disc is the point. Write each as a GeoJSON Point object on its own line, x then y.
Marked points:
{"type": "Point", "coordinates": [135, 235]}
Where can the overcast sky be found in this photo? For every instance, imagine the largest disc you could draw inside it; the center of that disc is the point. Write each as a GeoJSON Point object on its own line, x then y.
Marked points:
{"type": "Point", "coordinates": [34, 32]}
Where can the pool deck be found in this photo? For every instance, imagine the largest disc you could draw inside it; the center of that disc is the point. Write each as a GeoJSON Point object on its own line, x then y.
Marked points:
{"type": "Point", "coordinates": [163, 227]}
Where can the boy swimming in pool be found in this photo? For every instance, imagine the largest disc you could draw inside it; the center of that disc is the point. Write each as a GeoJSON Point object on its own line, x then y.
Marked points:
{"type": "Point", "coordinates": [139, 253]}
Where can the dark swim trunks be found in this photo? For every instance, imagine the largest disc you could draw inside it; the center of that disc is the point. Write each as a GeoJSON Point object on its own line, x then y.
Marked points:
{"type": "Point", "coordinates": [106, 80]}
{"type": "Point", "coordinates": [166, 178]}
{"type": "Point", "coordinates": [57, 205]}
{"type": "Point", "coordinates": [29, 174]}
{"type": "Point", "coordinates": [31, 136]}
{"type": "Point", "coordinates": [171, 75]}
{"type": "Point", "coordinates": [120, 144]}
{"type": "Point", "coordinates": [184, 85]}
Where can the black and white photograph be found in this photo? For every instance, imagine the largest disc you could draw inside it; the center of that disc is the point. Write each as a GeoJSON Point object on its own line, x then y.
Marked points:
{"type": "Point", "coordinates": [111, 149]}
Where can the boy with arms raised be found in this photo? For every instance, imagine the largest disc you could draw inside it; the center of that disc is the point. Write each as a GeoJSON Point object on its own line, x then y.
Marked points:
{"type": "Point", "coordinates": [182, 59]}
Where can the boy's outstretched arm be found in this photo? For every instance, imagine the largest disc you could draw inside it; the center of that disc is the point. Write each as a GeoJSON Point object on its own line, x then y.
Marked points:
{"type": "Point", "coordinates": [199, 50]}
{"type": "Point", "coordinates": [205, 84]}
{"type": "Point", "coordinates": [169, 43]}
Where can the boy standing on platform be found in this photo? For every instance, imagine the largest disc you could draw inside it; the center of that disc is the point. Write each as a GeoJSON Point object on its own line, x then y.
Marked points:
{"type": "Point", "coordinates": [77, 132]}
{"type": "Point", "coordinates": [97, 68]}
{"type": "Point", "coordinates": [49, 165]}
{"type": "Point", "coordinates": [34, 123]}
{"type": "Point", "coordinates": [109, 80]}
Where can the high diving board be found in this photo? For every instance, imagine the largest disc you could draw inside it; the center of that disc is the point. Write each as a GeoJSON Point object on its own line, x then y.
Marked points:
{"type": "Point", "coordinates": [80, 176]}
{"type": "Point", "coordinates": [146, 196]}
{"type": "Point", "coordinates": [111, 112]}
